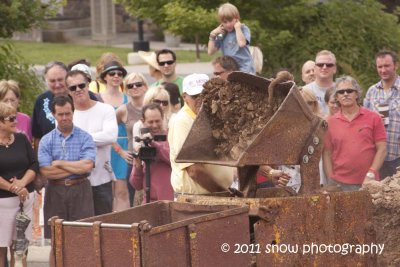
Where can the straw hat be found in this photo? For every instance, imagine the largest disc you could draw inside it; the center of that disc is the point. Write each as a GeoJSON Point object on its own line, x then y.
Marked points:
{"type": "Point", "coordinates": [150, 58]}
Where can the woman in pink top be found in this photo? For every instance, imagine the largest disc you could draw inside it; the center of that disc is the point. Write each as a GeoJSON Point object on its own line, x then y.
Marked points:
{"type": "Point", "coordinates": [10, 93]}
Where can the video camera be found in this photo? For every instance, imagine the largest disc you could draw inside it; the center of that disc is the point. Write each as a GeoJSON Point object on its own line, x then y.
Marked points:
{"type": "Point", "coordinates": [146, 152]}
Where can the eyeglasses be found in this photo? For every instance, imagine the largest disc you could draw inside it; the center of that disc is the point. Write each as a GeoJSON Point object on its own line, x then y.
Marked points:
{"type": "Point", "coordinates": [348, 91]}
{"type": "Point", "coordinates": [169, 62]}
{"type": "Point", "coordinates": [11, 118]}
{"type": "Point", "coordinates": [112, 73]}
{"type": "Point", "coordinates": [217, 73]}
{"type": "Point", "coordinates": [161, 102]}
{"type": "Point", "coordinates": [134, 85]}
{"type": "Point", "coordinates": [321, 65]}
{"type": "Point", "coordinates": [73, 88]}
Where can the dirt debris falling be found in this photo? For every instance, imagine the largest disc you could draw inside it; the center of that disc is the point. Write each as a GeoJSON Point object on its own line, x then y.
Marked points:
{"type": "Point", "coordinates": [386, 199]}
{"type": "Point", "coordinates": [238, 112]}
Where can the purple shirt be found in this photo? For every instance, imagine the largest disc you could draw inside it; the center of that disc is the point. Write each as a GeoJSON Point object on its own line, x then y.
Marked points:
{"type": "Point", "coordinates": [24, 125]}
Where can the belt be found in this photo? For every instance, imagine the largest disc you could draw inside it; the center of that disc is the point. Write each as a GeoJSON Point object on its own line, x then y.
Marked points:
{"type": "Point", "coordinates": [67, 182]}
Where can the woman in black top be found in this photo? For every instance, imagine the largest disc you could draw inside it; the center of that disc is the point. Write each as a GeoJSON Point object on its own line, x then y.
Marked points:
{"type": "Point", "coordinates": [18, 168]}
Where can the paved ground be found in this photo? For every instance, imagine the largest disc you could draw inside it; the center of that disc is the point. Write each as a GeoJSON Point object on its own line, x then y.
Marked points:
{"type": "Point", "coordinates": [38, 255]}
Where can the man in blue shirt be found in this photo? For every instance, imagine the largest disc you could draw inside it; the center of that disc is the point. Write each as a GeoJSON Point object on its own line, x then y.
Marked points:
{"type": "Point", "coordinates": [66, 158]}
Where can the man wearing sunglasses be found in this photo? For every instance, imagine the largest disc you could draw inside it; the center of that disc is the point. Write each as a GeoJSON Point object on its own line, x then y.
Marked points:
{"type": "Point", "coordinates": [166, 60]}
{"type": "Point", "coordinates": [324, 70]}
{"type": "Point", "coordinates": [384, 98]}
{"type": "Point", "coordinates": [355, 143]}
{"type": "Point", "coordinates": [99, 120]}
{"type": "Point", "coordinates": [223, 66]}
{"type": "Point", "coordinates": [193, 178]}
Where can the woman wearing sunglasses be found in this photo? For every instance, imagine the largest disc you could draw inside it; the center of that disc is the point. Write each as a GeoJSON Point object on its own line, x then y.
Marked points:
{"type": "Point", "coordinates": [113, 75]}
{"type": "Point", "coordinates": [128, 114]}
{"type": "Point", "coordinates": [98, 85]}
{"type": "Point", "coordinates": [18, 168]}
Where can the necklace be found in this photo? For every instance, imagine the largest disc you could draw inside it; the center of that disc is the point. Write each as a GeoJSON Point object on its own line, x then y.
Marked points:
{"type": "Point", "coordinates": [7, 144]}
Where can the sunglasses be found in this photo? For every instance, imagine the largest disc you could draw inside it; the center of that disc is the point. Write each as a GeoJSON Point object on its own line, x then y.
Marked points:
{"type": "Point", "coordinates": [342, 91]}
{"type": "Point", "coordinates": [11, 119]}
{"type": "Point", "coordinates": [217, 73]}
{"type": "Point", "coordinates": [161, 102]}
{"type": "Point", "coordinates": [73, 88]}
{"type": "Point", "coordinates": [112, 73]}
{"type": "Point", "coordinates": [169, 62]}
{"type": "Point", "coordinates": [321, 65]}
{"type": "Point", "coordinates": [134, 85]}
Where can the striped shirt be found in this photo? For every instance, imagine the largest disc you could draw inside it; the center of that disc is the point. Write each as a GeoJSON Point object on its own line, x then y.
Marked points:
{"type": "Point", "coordinates": [376, 96]}
{"type": "Point", "coordinates": [79, 145]}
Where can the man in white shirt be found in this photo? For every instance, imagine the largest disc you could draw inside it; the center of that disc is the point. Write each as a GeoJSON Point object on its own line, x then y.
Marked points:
{"type": "Point", "coordinates": [324, 70]}
{"type": "Point", "coordinates": [193, 178]}
{"type": "Point", "coordinates": [99, 120]}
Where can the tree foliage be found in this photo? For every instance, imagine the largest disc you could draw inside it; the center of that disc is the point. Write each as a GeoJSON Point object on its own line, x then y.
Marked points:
{"type": "Point", "coordinates": [12, 67]}
{"type": "Point", "coordinates": [21, 15]}
{"type": "Point", "coordinates": [289, 32]}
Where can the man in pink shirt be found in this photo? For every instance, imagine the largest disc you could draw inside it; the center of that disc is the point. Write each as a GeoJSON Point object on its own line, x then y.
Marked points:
{"type": "Point", "coordinates": [355, 143]}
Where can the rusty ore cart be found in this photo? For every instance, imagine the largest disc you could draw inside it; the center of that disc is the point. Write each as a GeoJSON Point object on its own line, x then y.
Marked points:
{"type": "Point", "coordinates": [161, 233]}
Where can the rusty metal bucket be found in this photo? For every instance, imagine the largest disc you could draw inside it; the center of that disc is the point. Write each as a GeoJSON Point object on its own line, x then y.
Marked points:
{"type": "Point", "coordinates": [293, 135]}
{"type": "Point", "coordinates": [161, 233]}
{"type": "Point", "coordinates": [306, 225]}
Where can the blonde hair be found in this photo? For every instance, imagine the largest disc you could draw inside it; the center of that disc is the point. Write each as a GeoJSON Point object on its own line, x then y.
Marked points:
{"type": "Point", "coordinates": [310, 97]}
{"type": "Point", "coordinates": [103, 60]}
{"type": "Point", "coordinates": [9, 85]}
{"type": "Point", "coordinates": [133, 75]}
{"type": "Point", "coordinates": [228, 11]}
{"type": "Point", "coordinates": [151, 94]}
{"type": "Point", "coordinates": [325, 53]}
{"type": "Point", "coordinates": [6, 110]}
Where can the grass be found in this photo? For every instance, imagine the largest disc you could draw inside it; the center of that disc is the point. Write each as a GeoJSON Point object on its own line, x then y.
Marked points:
{"type": "Point", "coordinates": [41, 53]}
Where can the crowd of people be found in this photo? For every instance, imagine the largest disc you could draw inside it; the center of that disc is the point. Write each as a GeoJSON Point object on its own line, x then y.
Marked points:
{"type": "Point", "coordinates": [87, 139]}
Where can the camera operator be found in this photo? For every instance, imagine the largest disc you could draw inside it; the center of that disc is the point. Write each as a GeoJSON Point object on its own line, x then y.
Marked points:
{"type": "Point", "coordinates": [160, 167]}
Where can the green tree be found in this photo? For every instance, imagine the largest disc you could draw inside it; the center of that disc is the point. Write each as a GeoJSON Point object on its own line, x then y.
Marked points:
{"type": "Point", "coordinates": [289, 32]}
{"type": "Point", "coordinates": [21, 15]}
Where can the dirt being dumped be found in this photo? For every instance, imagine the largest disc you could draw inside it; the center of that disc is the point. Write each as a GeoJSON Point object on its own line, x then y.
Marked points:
{"type": "Point", "coordinates": [238, 112]}
{"type": "Point", "coordinates": [386, 199]}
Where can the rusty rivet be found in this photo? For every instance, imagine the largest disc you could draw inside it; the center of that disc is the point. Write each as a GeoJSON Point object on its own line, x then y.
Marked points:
{"type": "Point", "coordinates": [316, 140]}
{"type": "Point", "coordinates": [310, 150]}
{"type": "Point", "coordinates": [306, 159]}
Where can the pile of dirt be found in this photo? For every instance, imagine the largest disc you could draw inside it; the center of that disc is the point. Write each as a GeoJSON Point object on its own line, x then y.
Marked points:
{"type": "Point", "coordinates": [237, 112]}
{"type": "Point", "coordinates": [386, 199]}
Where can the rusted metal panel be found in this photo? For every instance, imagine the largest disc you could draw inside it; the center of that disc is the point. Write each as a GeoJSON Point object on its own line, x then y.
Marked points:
{"type": "Point", "coordinates": [335, 219]}
{"type": "Point", "coordinates": [182, 235]}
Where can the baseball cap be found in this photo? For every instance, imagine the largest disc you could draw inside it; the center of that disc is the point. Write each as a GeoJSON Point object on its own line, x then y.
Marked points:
{"type": "Point", "coordinates": [84, 68]}
{"type": "Point", "coordinates": [193, 83]}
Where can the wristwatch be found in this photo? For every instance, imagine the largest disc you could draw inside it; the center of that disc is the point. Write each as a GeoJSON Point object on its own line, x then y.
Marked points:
{"type": "Point", "coordinates": [371, 175]}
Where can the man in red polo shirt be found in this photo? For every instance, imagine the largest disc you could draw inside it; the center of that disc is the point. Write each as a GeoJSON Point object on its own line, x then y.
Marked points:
{"type": "Point", "coordinates": [355, 143]}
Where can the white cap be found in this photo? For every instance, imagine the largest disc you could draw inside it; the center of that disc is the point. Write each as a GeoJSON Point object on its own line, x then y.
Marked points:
{"type": "Point", "coordinates": [84, 68]}
{"type": "Point", "coordinates": [193, 83]}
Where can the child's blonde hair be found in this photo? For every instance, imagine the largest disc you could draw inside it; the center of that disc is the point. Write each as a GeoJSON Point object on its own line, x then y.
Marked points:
{"type": "Point", "coordinates": [228, 12]}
